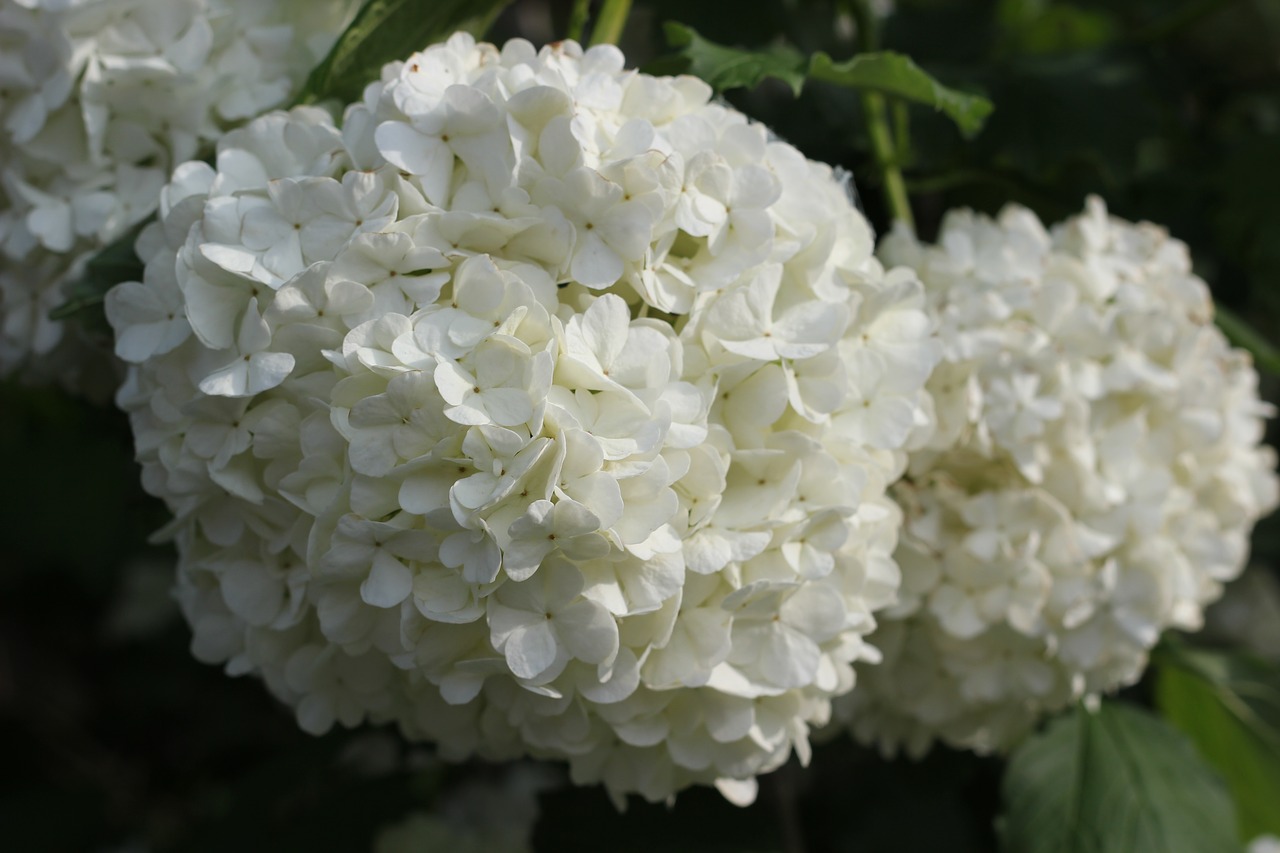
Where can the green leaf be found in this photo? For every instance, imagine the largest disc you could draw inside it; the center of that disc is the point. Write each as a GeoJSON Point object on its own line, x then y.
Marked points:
{"type": "Point", "coordinates": [1229, 705]}
{"type": "Point", "coordinates": [116, 263]}
{"type": "Point", "coordinates": [1115, 780]}
{"type": "Point", "coordinates": [886, 72]}
{"type": "Point", "coordinates": [386, 30]}
{"type": "Point", "coordinates": [896, 75]}
{"type": "Point", "coordinates": [733, 68]}
{"type": "Point", "coordinates": [1243, 335]}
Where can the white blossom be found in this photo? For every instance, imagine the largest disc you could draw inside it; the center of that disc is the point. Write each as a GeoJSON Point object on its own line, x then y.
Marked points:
{"type": "Point", "coordinates": [544, 371]}
{"type": "Point", "coordinates": [102, 100]}
{"type": "Point", "coordinates": [1092, 482]}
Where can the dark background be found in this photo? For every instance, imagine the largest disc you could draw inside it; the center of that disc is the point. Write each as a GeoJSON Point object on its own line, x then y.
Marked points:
{"type": "Point", "coordinates": [113, 738]}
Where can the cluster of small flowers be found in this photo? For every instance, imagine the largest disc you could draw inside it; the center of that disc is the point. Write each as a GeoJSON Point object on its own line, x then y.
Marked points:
{"type": "Point", "coordinates": [1092, 480]}
{"type": "Point", "coordinates": [543, 408]}
{"type": "Point", "coordinates": [99, 99]}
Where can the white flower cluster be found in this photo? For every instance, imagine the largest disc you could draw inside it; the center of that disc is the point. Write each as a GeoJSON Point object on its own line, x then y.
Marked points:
{"type": "Point", "coordinates": [1093, 479]}
{"type": "Point", "coordinates": [99, 99]}
{"type": "Point", "coordinates": [543, 408]}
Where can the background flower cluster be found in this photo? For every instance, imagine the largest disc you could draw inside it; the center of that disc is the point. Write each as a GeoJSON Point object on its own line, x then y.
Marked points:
{"type": "Point", "coordinates": [1092, 481]}
{"type": "Point", "coordinates": [101, 99]}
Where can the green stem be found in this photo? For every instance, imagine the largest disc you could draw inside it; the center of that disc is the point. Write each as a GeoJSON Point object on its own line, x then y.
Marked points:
{"type": "Point", "coordinates": [895, 188]}
{"type": "Point", "coordinates": [876, 111]}
{"type": "Point", "coordinates": [578, 19]}
{"type": "Point", "coordinates": [867, 28]}
{"type": "Point", "coordinates": [610, 22]}
{"type": "Point", "coordinates": [901, 130]}
{"type": "Point", "coordinates": [1242, 334]}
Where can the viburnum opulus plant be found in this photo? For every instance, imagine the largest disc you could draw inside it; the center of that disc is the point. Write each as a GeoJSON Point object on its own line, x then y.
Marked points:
{"type": "Point", "coordinates": [99, 100]}
{"type": "Point", "coordinates": [540, 407]}
{"type": "Point", "coordinates": [1092, 481]}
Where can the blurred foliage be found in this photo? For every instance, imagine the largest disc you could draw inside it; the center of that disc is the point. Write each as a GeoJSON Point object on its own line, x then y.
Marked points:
{"type": "Point", "coordinates": [114, 738]}
{"type": "Point", "coordinates": [1228, 703]}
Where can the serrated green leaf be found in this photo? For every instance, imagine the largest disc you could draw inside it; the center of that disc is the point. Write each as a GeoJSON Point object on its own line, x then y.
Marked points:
{"type": "Point", "coordinates": [898, 76]}
{"type": "Point", "coordinates": [386, 30]}
{"type": "Point", "coordinates": [1115, 780]}
{"type": "Point", "coordinates": [733, 68]}
{"type": "Point", "coordinates": [1229, 705]}
{"type": "Point", "coordinates": [1241, 334]}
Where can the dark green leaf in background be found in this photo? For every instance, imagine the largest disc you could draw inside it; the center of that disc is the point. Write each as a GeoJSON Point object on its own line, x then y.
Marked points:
{"type": "Point", "coordinates": [897, 76]}
{"type": "Point", "coordinates": [386, 30]}
{"type": "Point", "coordinates": [1115, 780]}
{"type": "Point", "coordinates": [116, 263]}
{"type": "Point", "coordinates": [885, 72]}
{"type": "Point", "coordinates": [1229, 705]}
{"type": "Point", "coordinates": [734, 68]}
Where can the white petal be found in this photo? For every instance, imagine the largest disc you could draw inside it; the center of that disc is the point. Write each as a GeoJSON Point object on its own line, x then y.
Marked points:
{"type": "Point", "coordinates": [389, 582]}
{"type": "Point", "coordinates": [531, 650]}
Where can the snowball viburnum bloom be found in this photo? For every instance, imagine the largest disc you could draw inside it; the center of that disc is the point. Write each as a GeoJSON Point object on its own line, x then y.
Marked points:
{"type": "Point", "coordinates": [101, 100]}
{"type": "Point", "coordinates": [560, 448]}
{"type": "Point", "coordinates": [1092, 482]}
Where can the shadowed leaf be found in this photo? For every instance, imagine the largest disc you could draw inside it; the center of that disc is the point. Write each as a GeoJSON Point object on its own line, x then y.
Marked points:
{"type": "Point", "coordinates": [1229, 705]}
{"type": "Point", "coordinates": [1115, 780]}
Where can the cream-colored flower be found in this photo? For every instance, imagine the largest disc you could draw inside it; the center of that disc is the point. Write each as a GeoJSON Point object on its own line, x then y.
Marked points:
{"type": "Point", "coordinates": [530, 421]}
{"type": "Point", "coordinates": [1093, 482]}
